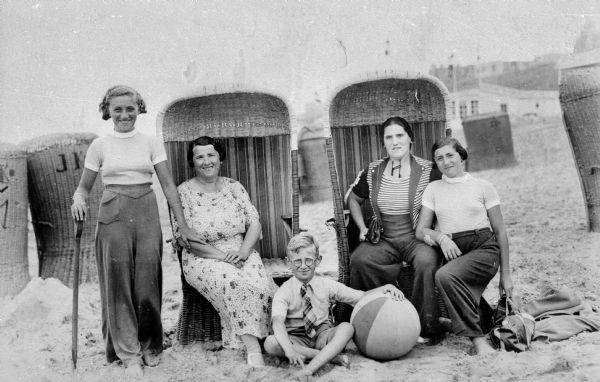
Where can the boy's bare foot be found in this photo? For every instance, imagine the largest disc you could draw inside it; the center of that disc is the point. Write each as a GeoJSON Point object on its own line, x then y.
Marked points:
{"type": "Point", "coordinates": [302, 375]}
{"type": "Point", "coordinates": [151, 359]}
{"type": "Point", "coordinates": [255, 360]}
{"type": "Point", "coordinates": [482, 346]}
{"type": "Point", "coordinates": [341, 360]}
{"type": "Point", "coordinates": [133, 369]}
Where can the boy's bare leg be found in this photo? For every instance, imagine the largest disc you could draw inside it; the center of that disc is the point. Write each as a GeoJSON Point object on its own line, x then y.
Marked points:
{"type": "Point", "coordinates": [272, 347]}
{"type": "Point", "coordinates": [343, 333]}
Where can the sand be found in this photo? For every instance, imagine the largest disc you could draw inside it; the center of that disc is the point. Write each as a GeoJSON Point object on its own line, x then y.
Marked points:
{"type": "Point", "coordinates": [543, 209]}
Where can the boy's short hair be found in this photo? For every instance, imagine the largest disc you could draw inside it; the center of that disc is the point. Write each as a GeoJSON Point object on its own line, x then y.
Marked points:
{"type": "Point", "coordinates": [302, 240]}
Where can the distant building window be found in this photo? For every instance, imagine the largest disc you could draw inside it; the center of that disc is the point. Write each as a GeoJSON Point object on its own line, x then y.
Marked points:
{"type": "Point", "coordinates": [463, 109]}
{"type": "Point", "coordinates": [503, 108]}
{"type": "Point", "coordinates": [454, 108]}
{"type": "Point", "coordinates": [474, 107]}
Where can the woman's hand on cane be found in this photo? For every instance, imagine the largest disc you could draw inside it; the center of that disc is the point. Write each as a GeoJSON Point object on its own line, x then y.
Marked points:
{"type": "Point", "coordinates": [79, 207]}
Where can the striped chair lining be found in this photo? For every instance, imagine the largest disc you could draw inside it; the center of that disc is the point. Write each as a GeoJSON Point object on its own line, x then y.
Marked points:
{"type": "Point", "coordinates": [355, 147]}
{"type": "Point", "coordinates": [262, 165]}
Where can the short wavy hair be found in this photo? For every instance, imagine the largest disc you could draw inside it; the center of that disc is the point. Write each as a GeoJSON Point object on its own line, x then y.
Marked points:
{"type": "Point", "coordinates": [448, 141]}
{"type": "Point", "coordinates": [205, 141]}
{"type": "Point", "coordinates": [302, 240]}
{"type": "Point", "coordinates": [117, 91]}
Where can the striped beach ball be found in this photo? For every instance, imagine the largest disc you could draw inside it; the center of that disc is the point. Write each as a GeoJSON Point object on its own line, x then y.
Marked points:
{"type": "Point", "coordinates": [384, 329]}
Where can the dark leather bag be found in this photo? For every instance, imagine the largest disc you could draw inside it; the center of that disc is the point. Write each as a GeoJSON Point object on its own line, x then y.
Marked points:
{"type": "Point", "coordinates": [375, 229]}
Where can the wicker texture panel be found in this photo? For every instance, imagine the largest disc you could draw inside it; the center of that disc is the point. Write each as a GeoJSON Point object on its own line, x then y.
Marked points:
{"type": "Point", "coordinates": [227, 115]}
{"type": "Point", "coordinates": [55, 163]}
{"type": "Point", "coordinates": [579, 93]}
{"type": "Point", "coordinates": [372, 102]}
{"type": "Point", "coordinates": [14, 269]}
{"type": "Point", "coordinates": [255, 130]}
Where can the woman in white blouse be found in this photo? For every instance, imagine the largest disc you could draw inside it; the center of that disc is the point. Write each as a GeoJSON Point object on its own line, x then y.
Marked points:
{"type": "Point", "coordinates": [128, 234]}
{"type": "Point", "coordinates": [471, 234]}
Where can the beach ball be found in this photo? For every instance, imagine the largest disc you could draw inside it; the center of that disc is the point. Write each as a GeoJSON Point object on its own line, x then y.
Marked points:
{"type": "Point", "coordinates": [384, 329]}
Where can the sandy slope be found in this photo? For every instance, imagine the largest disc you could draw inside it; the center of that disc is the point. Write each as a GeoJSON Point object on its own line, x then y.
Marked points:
{"type": "Point", "coordinates": [543, 209]}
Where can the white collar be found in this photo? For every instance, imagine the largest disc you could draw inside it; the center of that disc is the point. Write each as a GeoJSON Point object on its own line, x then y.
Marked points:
{"type": "Point", "coordinates": [128, 134]}
{"type": "Point", "coordinates": [300, 283]}
{"type": "Point", "coordinates": [460, 179]}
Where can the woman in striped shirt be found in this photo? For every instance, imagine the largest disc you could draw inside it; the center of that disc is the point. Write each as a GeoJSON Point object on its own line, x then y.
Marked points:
{"type": "Point", "coordinates": [394, 185]}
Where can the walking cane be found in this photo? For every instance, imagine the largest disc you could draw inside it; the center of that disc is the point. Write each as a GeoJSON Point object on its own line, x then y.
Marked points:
{"type": "Point", "coordinates": [78, 231]}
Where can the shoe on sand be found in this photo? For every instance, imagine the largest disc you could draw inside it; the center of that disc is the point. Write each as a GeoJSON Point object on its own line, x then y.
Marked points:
{"type": "Point", "coordinates": [151, 359]}
{"type": "Point", "coordinates": [133, 369]}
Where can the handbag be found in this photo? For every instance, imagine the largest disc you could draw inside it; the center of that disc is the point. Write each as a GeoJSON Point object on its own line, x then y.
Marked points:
{"type": "Point", "coordinates": [513, 330]}
{"type": "Point", "coordinates": [374, 230]}
{"type": "Point", "coordinates": [374, 227]}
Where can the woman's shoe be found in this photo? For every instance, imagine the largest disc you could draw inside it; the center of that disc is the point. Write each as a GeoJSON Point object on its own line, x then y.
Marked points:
{"type": "Point", "coordinates": [133, 368]}
{"type": "Point", "coordinates": [255, 360]}
{"type": "Point", "coordinates": [151, 359]}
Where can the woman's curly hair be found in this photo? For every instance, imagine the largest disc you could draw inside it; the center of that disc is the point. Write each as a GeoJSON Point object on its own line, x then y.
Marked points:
{"type": "Point", "coordinates": [120, 90]}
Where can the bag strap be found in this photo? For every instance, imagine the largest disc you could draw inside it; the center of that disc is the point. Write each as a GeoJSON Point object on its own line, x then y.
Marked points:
{"type": "Point", "coordinates": [376, 175]}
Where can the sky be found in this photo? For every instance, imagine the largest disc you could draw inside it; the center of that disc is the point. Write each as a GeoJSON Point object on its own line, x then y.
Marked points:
{"type": "Point", "coordinates": [57, 58]}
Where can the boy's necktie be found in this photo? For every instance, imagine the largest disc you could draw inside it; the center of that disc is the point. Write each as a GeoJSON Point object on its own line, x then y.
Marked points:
{"type": "Point", "coordinates": [307, 313]}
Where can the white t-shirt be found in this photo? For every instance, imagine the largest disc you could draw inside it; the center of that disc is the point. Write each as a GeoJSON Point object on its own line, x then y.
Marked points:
{"type": "Point", "coordinates": [125, 158]}
{"type": "Point", "coordinates": [460, 204]}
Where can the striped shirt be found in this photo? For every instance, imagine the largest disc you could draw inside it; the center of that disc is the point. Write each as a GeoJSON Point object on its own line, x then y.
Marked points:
{"type": "Point", "coordinates": [393, 196]}
{"type": "Point", "coordinates": [363, 185]}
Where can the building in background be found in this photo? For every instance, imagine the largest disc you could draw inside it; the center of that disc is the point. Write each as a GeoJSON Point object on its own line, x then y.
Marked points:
{"type": "Point", "coordinates": [523, 89]}
{"type": "Point", "coordinates": [489, 98]}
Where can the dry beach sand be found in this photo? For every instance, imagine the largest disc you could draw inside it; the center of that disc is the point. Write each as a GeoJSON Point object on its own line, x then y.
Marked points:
{"type": "Point", "coordinates": [544, 212]}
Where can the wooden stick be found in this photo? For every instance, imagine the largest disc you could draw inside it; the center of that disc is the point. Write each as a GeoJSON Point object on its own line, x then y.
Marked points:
{"type": "Point", "coordinates": [78, 232]}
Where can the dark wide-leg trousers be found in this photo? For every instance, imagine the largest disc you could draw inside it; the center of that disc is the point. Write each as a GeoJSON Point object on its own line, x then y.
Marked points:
{"type": "Point", "coordinates": [461, 282]}
{"type": "Point", "coordinates": [128, 255]}
{"type": "Point", "coordinates": [374, 265]}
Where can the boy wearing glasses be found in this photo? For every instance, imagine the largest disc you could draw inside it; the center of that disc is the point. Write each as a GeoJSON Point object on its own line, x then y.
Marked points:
{"type": "Point", "coordinates": [300, 313]}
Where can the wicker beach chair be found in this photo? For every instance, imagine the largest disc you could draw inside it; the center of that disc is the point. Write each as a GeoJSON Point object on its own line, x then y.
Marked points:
{"type": "Point", "coordinates": [355, 114]}
{"type": "Point", "coordinates": [14, 268]}
{"type": "Point", "coordinates": [255, 129]}
{"type": "Point", "coordinates": [54, 167]}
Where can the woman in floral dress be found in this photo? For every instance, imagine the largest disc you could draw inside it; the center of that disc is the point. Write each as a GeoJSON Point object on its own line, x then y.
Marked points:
{"type": "Point", "coordinates": [226, 270]}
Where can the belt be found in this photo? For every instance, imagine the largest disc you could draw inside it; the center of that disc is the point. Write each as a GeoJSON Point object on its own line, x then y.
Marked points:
{"type": "Point", "coordinates": [472, 232]}
{"type": "Point", "coordinates": [131, 190]}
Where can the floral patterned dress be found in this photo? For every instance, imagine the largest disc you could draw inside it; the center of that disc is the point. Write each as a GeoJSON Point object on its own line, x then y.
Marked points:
{"type": "Point", "coordinates": [242, 296]}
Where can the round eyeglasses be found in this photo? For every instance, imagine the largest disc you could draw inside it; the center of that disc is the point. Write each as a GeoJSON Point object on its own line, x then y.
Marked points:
{"type": "Point", "coordinates": [309, 261]}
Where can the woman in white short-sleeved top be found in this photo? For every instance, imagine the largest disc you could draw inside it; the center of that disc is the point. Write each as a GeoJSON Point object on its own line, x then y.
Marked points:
{"type": "Point", "coordinates": [128, 234]}
{"type": "Point", "coordinates": [471, 234]}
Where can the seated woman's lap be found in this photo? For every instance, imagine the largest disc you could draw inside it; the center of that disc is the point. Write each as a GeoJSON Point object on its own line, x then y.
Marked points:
{"type": "Point", "coordinates": [373, 265]}
{"type": "Point", "coordinates": [477, 265]}
{"type": "Point", "coordinates": [464, 279]}
{"type": "Point", "coordinates": [201, 272]}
